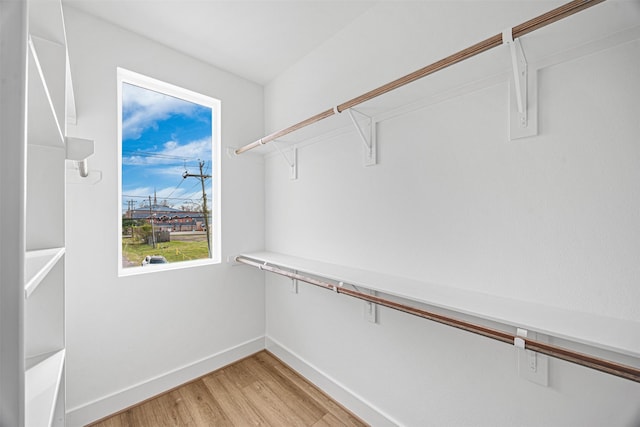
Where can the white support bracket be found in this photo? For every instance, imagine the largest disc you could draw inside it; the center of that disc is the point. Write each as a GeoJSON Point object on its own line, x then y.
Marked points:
{"type": "Point", "coordinates": [371, 309]}
{"type": "Point", "coordinates": [294, 284]}
{"type": "Point", "coordinates": [531, 365]}
{"type": "Point", "coordinates": [523, 88]}
{"type": "Point", "coordinates": [370, 142]}
{"type": "Point", "coordinates": [292, 163]}
{"type": "Point", "coordinates": [519, 341]}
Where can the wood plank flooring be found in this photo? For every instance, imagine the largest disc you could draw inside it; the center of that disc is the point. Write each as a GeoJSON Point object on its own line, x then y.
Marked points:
{"type": "Point", "coordinates": [257, 391]}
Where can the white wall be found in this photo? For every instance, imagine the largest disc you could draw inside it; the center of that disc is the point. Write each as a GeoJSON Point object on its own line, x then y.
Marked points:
{"type": "Point", "coordinates": [550, 219]}
{"type": "Point", "coordinates": [13, 60]}
{"type": "Point", "coordinates": [132, 337]}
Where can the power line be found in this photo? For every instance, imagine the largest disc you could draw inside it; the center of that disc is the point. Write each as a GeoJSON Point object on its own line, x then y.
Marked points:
{"type": "Point", "coordinates": [194, 186]}
{"type": "Point", "coordinates": [157, 155]}
{"type": "Point", "coordinates": [164, 198]}
{"type": "Point", "coordinates": [206, 171]}
{"type": "Point", "coordinates": [174, 190]}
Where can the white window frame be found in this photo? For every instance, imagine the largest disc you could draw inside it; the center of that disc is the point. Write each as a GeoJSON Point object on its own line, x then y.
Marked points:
{"type": "Point", "coordinates": [127, 76]}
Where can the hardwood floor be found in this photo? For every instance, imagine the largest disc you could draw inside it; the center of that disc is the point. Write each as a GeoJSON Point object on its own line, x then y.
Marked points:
{"type": "Point", "coordinates": [256, 391]}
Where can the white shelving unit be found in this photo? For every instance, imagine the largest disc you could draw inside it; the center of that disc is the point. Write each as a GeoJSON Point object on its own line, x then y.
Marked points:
{"type": "Point", "coordinates": [44, 331]}
{"type": "Point", "coordinates": [42, 383]}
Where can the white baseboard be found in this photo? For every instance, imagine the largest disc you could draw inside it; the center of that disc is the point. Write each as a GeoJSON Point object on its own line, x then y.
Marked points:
{"type": "Point", "coordinates": [100, 408]}
{"type": "Point", "coordinates": [346, 397]}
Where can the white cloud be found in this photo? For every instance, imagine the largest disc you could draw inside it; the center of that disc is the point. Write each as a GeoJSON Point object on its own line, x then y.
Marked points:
{"type": "Point", "coordinates": [144, 108]}
{"type": "Point", "coordinates": [199, 149]}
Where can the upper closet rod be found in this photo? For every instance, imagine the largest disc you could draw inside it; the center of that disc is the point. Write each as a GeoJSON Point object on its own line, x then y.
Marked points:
{"type": "Point", "coordinates": [518, 31]}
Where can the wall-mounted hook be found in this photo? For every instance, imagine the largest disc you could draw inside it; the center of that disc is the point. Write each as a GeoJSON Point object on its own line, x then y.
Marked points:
{"type": "Point", "coordinates": [79, 150]}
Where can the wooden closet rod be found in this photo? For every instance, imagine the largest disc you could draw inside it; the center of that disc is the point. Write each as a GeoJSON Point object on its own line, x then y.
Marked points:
{"type": "Point", "coordinates": [603, 365]}
{"type": "Point", "coordinates": [518, 31]}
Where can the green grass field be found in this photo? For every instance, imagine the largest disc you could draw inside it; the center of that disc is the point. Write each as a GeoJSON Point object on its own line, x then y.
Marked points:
{"type": "Point", "coordinates": [173, 251]}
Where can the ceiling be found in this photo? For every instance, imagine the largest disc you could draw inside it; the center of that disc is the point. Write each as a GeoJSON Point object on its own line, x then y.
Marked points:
{"type": "Point", "coordinates": [256, 39]}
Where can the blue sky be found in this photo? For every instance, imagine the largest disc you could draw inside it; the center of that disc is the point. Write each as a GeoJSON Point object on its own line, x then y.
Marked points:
{"type": "Point", "coordinates": [161, 136]}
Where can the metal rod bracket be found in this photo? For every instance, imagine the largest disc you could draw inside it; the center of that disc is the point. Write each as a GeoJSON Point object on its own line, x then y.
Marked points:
{"type": "Point", "coordinates": [293, 163]}
{"type": "Point", "coordinates": [532, 366]}
{"type": "Point", "coordinates": [371, 309]}
{"type": "Point", "coordinates": [522, 121]}
{"type": "Point", "coordinates": [519, 339]}
{"type": "Point", "coordinates": [369, 138]}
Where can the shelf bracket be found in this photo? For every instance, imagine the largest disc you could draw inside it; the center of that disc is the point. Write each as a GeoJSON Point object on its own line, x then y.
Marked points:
{"type": "Point", "coordinates": [532, 366]}
{"type": "Point", "coordinates": [523, 96]}
{"type": "Point", "coordinates": [294, 283]}
{"type": "Point", "coordinates": [293, 163]}
{"type": "Point", "coordinates": [371, 309]}
{"type": "Point", "coordinates": [370, 143]}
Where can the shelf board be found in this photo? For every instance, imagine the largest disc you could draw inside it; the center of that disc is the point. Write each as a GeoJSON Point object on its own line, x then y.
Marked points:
{"type": "Point", "coordinates": [37, 266]}
{"type": "Point", "coordinates": [46, 97]}
{"type": "Point", "coordinates": [617, 335]}
{"type": "Point", "coordinates": [46, 20]}
{"type": "Point", "coordinates": [42, 384]}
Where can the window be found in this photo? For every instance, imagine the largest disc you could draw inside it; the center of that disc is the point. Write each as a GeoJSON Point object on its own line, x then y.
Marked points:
{"type": "Point", "coordinates": [169, 175]}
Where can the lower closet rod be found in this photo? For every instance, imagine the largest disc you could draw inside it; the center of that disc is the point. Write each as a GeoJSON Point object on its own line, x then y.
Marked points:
{"type": "Point", "coordinates": [607, 366]}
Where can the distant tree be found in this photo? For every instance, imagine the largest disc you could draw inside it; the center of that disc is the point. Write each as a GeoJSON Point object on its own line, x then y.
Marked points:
{"type": "Point", "coordinates": [129, 222]}
{"type": "Point", "coordinates": [142, 232]}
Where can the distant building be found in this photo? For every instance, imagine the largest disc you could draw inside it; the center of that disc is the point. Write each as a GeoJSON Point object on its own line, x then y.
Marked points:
{"type": "Point", "coordinates": [168, 218]}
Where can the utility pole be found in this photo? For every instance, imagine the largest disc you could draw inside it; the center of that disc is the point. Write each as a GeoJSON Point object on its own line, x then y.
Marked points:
{"type": "Point", "coordinates": [130, 208]}
{"type": "Point", "coordinates": [205, 211]}
{"type": "Point", "coordinates": [153, 233]}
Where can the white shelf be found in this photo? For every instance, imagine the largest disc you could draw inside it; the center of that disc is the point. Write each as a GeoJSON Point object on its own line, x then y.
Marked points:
{"type": "Point", "coordinates": [37, 266]}
{"type": "Point", "coordinates": [42, 386]}
{"type": "Point", "coordinates": [46, 95]}
{"type": "Point", "coordinates": [45, 213]}
{"type": "Point", "coordinates": [46, 20]}
{"type": "Point", "coordinates": [617, 335]}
